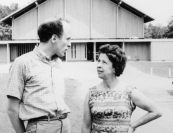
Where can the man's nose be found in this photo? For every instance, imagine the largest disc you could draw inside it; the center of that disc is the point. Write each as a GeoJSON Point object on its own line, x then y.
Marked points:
{"type": "Point", "coordinates": [99, 64]}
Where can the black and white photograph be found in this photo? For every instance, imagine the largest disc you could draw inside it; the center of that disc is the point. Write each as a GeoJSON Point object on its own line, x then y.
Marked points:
{"type": "Point", "coordinates": [86, 66]}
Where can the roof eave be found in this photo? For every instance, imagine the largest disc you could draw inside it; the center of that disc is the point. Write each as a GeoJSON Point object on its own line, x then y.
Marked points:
{"type": "Point", "coordinates": [8, 19]}
{"type": "Point", "coordinates": [134, 10]}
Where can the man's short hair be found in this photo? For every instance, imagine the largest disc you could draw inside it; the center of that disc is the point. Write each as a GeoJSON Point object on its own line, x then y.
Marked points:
{"type": "Point", "coordinates": [50, 27]}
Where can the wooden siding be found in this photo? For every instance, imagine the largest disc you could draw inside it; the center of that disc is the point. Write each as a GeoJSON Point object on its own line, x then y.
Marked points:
{"type": "Point", "coordinates": [50, 8]}
{"type": "Point", "coordinates": [129, 25]}
{"type": "Point", "coordinates": [25, 27]}
{"type": "Point", "coordinates": [3, 53]}
{"type": "Point", "coordinates": [140, 28]}
{"type": "Point", "coordinates": [77, 52]}
{"type": "Point", "coordinates": [103, 19]}
{"type": "Point", "coordinates": [162, 51]}
{"type": "Point", "coordinates": [137, 50]}
{"type": "Point", "coordinates": [78, 12]}
{"type": "Point", "coordinates": [89, 19]}
{"type": "Point", "coordinates": [134, 26]}
{"type": "Point", "coordinates": [17, 50]}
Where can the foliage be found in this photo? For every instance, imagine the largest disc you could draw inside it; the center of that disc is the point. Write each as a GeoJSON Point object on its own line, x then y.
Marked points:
{"type": "Point", "coordinates": [155, 32]}
{"type": "Point", "coordinates": [169, 33]}
{"type": "Point", "coordinates": [5, 30]}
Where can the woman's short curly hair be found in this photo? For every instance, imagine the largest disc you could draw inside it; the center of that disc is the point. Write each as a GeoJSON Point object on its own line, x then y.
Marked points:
{"type": "Point", "coordinates": [116, 56]}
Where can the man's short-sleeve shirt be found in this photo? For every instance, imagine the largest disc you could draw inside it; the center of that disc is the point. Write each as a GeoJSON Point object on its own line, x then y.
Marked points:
{"type": "Point", "coordinates": [39, 83]}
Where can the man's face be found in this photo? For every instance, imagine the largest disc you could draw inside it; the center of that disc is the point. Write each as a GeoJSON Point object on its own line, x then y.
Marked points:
{"type": "Point", "coordinates": [62, 44]}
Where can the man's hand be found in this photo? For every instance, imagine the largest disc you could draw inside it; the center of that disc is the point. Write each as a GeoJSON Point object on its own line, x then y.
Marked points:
{"type": "Point", "coordinates": [13, 113]}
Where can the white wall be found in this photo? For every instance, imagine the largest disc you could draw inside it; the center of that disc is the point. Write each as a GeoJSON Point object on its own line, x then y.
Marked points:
{"type": "Point", "coordinates": [162, 50]}
{"type": "Point", "coordinates": [3, 53]}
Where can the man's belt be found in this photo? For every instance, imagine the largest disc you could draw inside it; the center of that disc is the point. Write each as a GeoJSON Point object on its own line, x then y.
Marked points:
{"type": "Point", "coordinates": [50, 118]}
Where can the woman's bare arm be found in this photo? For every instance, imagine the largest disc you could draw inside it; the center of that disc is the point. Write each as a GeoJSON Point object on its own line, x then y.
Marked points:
{"type": "Point", "coordinates": [146, 104]}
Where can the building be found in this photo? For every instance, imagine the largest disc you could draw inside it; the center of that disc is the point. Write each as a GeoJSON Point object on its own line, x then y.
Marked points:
{"type": "Point", "coordinates": [94, 22]}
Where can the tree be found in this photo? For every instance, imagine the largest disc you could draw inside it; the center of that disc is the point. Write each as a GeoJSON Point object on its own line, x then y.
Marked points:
{"type": "Point", "coordinates": [151, 31]}
{"type": "Point", "coordinates": [5, 30]}
{"type": "Point", "coordinates": [148, 31]}
{"type": "Point", "coordinates": [169, 33]}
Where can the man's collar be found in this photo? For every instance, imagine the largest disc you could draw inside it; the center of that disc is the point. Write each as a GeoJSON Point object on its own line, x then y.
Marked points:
{"type": "Point", "coordinates": [41, 54]}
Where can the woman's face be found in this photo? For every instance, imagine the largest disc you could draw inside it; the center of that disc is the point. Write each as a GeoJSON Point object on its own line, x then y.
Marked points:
{"type": "Point", "coordinates": [104, 67]}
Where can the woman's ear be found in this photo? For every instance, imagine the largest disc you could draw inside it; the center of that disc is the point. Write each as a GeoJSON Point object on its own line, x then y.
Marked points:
{"type": "Point", "coordinates": [53, 39]}
{"type": "Point", "coordinates": [113, 70]}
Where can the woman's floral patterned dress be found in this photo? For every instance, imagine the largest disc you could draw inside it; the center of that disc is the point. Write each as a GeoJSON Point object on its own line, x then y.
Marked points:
{"type": "Point", "coordinates": [111, 110]}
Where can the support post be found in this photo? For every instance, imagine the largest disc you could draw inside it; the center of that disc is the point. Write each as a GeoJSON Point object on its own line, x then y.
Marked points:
{"type": "Point", "coordinates": [123, 47]}
{"type": "Point", "coordinates": [169, 72]}
{"type": "Point", "coordinates": [94, 52]}
{"type": "Point", "coordinates": [117, 22]}
{"type": "Point", "coordinates": [8, 53]}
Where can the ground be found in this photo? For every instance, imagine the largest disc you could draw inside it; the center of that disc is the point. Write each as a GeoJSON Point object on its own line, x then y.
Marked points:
{"type": "Point", "coordinates": [81, 76]}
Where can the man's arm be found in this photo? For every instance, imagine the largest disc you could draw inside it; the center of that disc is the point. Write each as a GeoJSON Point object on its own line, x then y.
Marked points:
{"type": "Point", "coordinates": [13, 113]}
{"type": "Point", "coordinates": [87, 120]}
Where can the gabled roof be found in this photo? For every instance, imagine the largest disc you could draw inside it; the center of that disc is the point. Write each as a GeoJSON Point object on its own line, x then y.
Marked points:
{"type": "Point", "coordinates": [8, 19]}
{"type": "Point", "coordinates": [133, 10]}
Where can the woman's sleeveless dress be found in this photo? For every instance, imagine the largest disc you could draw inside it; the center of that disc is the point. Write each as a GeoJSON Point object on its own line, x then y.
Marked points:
{"type": "Point", "coordinates": [111, 110]}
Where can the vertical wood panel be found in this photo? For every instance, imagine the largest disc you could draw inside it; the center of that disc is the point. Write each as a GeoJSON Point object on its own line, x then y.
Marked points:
{"type": "Point", "coordinates": [129, 25]}
{"type": "Point", "coordinates": [3, 53]}
{"type": "Point", "coordinates": [162, 51]}
{"type": "Point", "coordinates": [91, 21]}
{"type": "Point", "coordinates": [8, 53]}
{"type": "Point", "coordinates": [83, 49]}
{"type": "Point", "coordinates": [19, 49]}
{"type": "Point", "coordinates": [123, 25]}
{"type": "Point", "coordinates": [50, 8]}
{"type": "Point", "coordinates": [25, 27]}
{"type": "Point", "coordinates": [78, 11]}
{"type": "Point", "coordinates": [13, 52]}
{"type": "Point", "coordinates": [134, 26]}
{"type": "Point", "coordinates": [104, 19]}
{"type": "Point", "coordinates": [140, 28]}
{"type": "Point", "coordinates": [77, 52]}
{"type": "Point", "coordinates": [138, 50]}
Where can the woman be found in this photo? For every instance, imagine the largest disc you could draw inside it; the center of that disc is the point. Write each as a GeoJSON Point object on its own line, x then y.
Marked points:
{"type": "Point", "coordinates": [109, 105]}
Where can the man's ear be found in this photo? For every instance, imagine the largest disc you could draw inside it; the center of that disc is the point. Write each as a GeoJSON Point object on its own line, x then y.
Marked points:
{"type": "Point", "coordinates": [113, 70]}
{"type": "Point", "coordinates": [54, 38]}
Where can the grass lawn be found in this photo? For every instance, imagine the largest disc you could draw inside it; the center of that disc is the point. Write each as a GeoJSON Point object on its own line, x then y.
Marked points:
{"type": "Point", "coordinates": [75, 104]}
{"type": "Point", "coordinates": [159, 68]}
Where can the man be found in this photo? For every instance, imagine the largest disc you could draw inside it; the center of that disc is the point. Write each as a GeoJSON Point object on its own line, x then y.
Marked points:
{"type": "Point", "coordinates": [36, 83]}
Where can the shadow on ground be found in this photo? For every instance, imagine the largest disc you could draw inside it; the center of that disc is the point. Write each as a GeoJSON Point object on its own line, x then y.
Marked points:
{"type": "Point", "coordinates": [170, 92]}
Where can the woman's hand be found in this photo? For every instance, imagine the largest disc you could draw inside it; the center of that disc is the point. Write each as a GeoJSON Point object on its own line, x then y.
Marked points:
{"type": "Point", "coordinates": [131, 129]}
